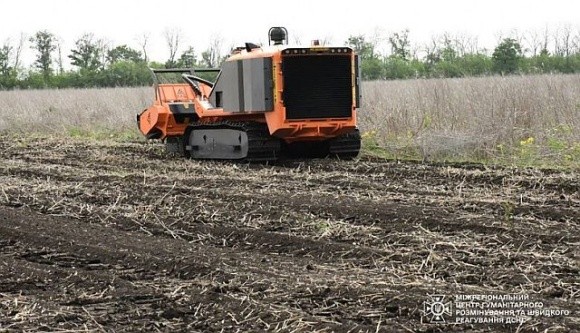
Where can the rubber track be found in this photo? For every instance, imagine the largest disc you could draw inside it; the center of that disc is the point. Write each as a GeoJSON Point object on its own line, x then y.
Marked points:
{"type": "Point", "coordinates": [261, 145]}
{"type": "Point", "coordinates": [346, 146]}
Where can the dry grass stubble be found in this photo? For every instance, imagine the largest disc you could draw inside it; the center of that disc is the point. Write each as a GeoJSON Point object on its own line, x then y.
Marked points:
{"type": "Point", "coordinates": [487, 116]}
{"type": "Point", "coordinates": [507, 119]}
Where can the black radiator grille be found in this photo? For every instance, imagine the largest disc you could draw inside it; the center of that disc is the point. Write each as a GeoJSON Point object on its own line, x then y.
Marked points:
{"type": "Point", "coordinates": [317, 86]}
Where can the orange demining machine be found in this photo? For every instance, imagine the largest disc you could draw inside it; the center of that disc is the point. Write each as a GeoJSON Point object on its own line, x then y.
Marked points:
{"type": "Point", "coordinates": [265, 102]}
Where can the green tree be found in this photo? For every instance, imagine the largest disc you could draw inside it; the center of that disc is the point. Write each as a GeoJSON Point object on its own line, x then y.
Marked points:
{"type": "Point", "coordinates": [448, 53]}
{"type": "Point", "coordinates": [7, 70]}
{"type": "Point", "coordinates": [401, 45]}
{"type": "Point", "coordinates": [126, 73]}
{"type": "Point", "coordinates": [364, 49]}
{"type": "Point", "coordinates": [5, 54]}
{"type": "Point", "coordinates": [372, 69]}
{"type": "Point", "coordinates": [44, 43]}
{"type": "Point", "coordinates": [397, 68]}
{"type": "Point", "coordinates": [448, 69]}
{"type": "Point", "coordinates": [420, 69]}
{"type": "Point", "coordinates": [65, 79]}
{"type": "Point", "coordinates": [476, 64]}
{"type": "Point", "coordinates": [371, 65]}
{"type": "Point", "coordinates": [88, 53]}
{"type": "Point", "coordinates": [123, 53]}
{"type": "Point", "coordinates": [507, 56]}
{"type": "Point", "coordinates": [33, 80]}
{"type": "Point", "coordinates": [188, 59]}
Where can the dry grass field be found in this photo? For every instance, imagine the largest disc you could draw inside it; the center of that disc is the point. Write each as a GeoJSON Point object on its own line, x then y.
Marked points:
{"type": "Point", "coordinates": [509, 120]}
{"type": "Point", "coordinates": [101, 231]}
{"type": "Point", "coordinates": [73, 111]}
{"type": "Point", "coordinates": [502, 119]}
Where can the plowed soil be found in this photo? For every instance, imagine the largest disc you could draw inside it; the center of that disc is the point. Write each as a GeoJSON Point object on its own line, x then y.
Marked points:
{"type": "Point", "coordinates": [112, 237]}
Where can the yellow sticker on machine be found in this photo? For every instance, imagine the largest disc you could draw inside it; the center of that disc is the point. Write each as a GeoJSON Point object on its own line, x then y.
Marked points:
{"type": "Point", "coordinates": [274, 87]}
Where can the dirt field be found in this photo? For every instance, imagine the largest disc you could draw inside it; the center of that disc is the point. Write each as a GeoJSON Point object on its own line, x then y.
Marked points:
{"type": "Point", "coordinates": [105, 236]}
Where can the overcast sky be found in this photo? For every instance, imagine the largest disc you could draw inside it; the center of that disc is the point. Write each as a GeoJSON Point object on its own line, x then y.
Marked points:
{"type": "Point", "coordinates": [122, 21]}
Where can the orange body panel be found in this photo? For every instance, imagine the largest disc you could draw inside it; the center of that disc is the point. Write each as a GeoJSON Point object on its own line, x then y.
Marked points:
{"type": "Point", "coordinates": [312, 129]}
{"type": "Point", "coordinates": [159, 118]}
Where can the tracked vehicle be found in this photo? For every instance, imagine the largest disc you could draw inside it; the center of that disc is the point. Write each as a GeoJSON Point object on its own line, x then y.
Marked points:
{"type": "Point", "coordinates": [264, 102]}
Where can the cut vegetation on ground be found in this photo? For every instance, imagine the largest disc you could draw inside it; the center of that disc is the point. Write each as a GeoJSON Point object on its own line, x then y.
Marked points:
{"type": "Point", "coordinates": [107, 236]}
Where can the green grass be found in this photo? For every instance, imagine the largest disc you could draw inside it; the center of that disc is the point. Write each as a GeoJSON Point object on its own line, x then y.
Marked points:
{"type": "Point", "coordinates": [554, 152]}
{"type": "Point", "coordinates": [105, 134]}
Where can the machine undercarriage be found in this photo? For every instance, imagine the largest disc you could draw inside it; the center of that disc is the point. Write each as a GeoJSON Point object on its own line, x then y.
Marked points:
{"type": "Point", "coordinates": [252, 142]}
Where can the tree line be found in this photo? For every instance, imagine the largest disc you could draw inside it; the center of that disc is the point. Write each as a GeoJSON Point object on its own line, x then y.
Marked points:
{"type": "Point", "coordinates": [98, 64]}
{"type": "Point", "coordinates": [95, 63]}
{"type": "Point", "coordinates": [459, 56]}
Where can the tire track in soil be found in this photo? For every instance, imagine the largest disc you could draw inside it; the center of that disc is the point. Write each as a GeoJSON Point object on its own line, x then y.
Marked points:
{"type": "Point", "coordinates": [301, 245]}
{"type": "Point", "coordinates": [95, 260]}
